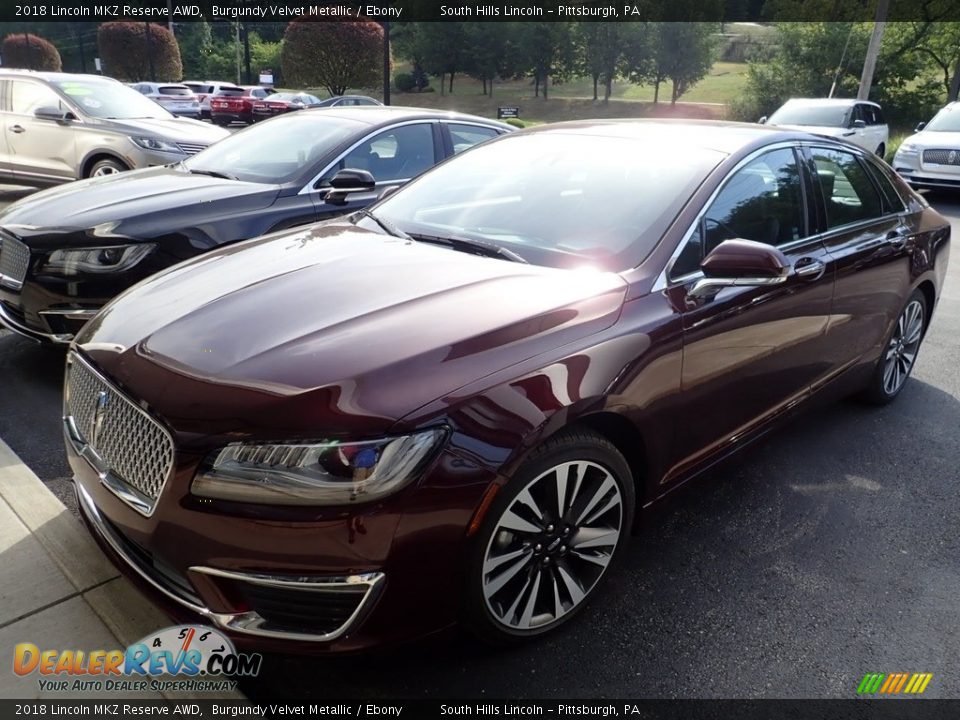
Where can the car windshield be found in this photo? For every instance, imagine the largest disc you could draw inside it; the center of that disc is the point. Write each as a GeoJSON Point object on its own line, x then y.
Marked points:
{"type": "Point", "coordinates": [105, 99]}
{"type": "Point", "coordinates": [274, 152]}
{"type": "Point", "coordinates": [556, 199]}
{"type": "Point", "coordinates": [821, 115]}
{"type": "Point", "coordinates": [947, 120]}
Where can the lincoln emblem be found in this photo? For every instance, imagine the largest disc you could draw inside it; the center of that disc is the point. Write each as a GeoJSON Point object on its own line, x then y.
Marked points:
{"type": "Point", "coordinates": [952, 157]}
{"type": "Point", "coordinates": [103, 399]}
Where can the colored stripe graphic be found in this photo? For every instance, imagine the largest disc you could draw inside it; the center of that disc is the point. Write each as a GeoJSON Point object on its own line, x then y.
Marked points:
{"type": "Point", "coordinates": [894, 683]}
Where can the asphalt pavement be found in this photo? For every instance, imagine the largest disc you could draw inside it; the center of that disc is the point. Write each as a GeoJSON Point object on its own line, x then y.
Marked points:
{"type": "Point", "coordinates": [828, 551]}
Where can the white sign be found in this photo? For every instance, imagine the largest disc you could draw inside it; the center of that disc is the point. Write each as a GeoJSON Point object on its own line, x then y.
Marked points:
{"type": "Point", "coordinates": [96, 64]}
{"type": "Point", "coordinates": [266, 77]}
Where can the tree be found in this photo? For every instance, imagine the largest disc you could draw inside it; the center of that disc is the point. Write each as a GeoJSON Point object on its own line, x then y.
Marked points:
{"type": "Point", "coordinates": [25, 50]}
{"type": "Point", "coordinates": [547, 52]}
{"type": "Point", "coordinates": [684, 54]}
{"type": "Point", "coordinates": [334, 55]}
{"type": "Point", "coordinates": [600, 48]}
{"type": "Point", "coordinates": [438, 48]}
{"type": "Point", "coordinates": [137, 51]}
{"type": "Point", "coordinates": [196, 46]}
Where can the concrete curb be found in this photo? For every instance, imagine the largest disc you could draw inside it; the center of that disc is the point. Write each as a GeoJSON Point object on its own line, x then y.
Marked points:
{"type": "Point", "coordinates": [89, 580]}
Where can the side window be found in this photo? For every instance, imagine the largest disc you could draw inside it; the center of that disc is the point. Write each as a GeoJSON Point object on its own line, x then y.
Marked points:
{"type": "Point", "coordinates": [762, 201]}
{"type": "Point", "coordinates": [396, 154]}
{"type": "Point", "coordinates": [848, 192]}
{"type": "Point", "coordinates": [27, 97]}
{"type": "Point", "coordinates": [466, 136]}
{"type": "Point", "coordinates": [878, 115]}
{"type": "Point", "coordinates": [892, 202]}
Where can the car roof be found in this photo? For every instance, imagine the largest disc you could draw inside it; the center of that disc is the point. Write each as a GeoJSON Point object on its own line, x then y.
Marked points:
{"type": "Point", "coordinates": [53, 76]}
{"type": "Point", "coordinates": [721, 136]}
{"type": "Point", "coordinates": [382, 114]}
{"type": "Point", "coordinates": [828, 102]}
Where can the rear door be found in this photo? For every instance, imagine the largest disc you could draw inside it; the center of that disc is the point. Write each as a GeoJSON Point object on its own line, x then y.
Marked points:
{"type": "Point", "coordinates": [40, 150]}
{"type": "Point", "coordinates": [460, 136]}
{"type": "Point", "coordinates": [864, 228]}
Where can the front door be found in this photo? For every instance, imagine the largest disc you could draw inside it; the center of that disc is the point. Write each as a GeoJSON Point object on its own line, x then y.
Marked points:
{"type": "Point", "coordinates": [39, 149]}
{"type": "Point", "coordinates": [751, 352]}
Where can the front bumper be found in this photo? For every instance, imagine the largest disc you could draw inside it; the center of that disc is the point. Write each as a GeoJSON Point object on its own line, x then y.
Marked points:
{"type": "Point", "coordinates": [275, 579]}
{"type": "Point", "coordinates": [925, 175]}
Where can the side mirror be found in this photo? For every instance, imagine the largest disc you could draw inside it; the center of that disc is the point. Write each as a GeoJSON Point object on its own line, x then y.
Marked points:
{"type": "Point", "coordinates": [346, 182]}
{"type": "Point", "coordinates": [858, 124]}
{"type": "Point", "coordinates": [763, 120]}
{"type": "Point", "coordinates": [740, 263]}
{"type": "Point", "coordinates": [49, 112]}
{"type": "Point", "coordinates": [920, 126]}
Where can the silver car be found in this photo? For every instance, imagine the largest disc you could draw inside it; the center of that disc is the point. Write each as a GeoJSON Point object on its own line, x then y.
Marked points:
{"type": "Point", "coordinates": [175, 97]}
{"type": "Point", "coordinates": [57, 127]}
{"type": "Point", "coordinates": [931, 157]}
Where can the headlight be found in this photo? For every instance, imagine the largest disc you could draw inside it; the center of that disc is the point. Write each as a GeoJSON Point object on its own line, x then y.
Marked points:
{"type": "Point", "coordinates": [908, 149]}
{"type": "Point", "coordinates": [329, 473]}
{"type": "Point", "coordinates": [151, 143]}
{"type": "Point", "coordinates": [114, 258]}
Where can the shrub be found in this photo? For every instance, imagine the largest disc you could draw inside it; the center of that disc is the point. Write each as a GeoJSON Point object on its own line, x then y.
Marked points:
{"type": "Point", "coordinates": [516, 122]}
{"type": "Point", "coordinates": [333, 55]}
{"type": "Point", "coordinates": [25, 50]}
{"type": "Point", "coordinates": [404, 82]}
{"type": "Point", "coordinates": [124, 51]}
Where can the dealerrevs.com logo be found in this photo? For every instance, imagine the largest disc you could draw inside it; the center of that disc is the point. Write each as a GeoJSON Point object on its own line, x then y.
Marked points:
{"type": "Point", "coordinates": [190, 658]}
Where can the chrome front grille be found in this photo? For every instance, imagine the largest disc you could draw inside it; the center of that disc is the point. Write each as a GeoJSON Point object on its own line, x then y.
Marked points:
{"type": "Point", "coordinates": [131, 451]}
{"type": "Point", "coordinates": [942, 157]}
{"type": "Point", "coordinates": [14, 261]}
{"type": "Point", "coordinates": [191, 148]}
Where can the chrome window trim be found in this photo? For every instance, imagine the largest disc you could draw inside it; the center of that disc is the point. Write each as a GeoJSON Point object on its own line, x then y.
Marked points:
{"type": "Point", "coordinates": [118, 486]}
{"type": "Point", "coordinates": [664, 280]}
{"type": "Point", "coordinates": [309, 188]}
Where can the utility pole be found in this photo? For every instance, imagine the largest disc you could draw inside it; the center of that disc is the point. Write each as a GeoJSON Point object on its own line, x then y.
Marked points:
{"type": "Point", "coordinates": [236, 43]}
{"type": "Point", "coordinates": [246, 52]}
{"type": "Point", "coordinates": [83, 55]}
{"type": "Point", "coordinates": [873, 49]}
{"type": "Point", "coordinates": [170, 16]}
{"type": "Point", "coordinates": [954, 83]}
{"type": "Point", "coordinates": [386, 62]}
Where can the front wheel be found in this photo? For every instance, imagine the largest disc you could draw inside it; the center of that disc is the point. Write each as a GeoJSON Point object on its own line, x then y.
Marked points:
{"type": "Point", "coordinates": [549, 538]}
{"type": "Point", "coordinates": [899, 352]}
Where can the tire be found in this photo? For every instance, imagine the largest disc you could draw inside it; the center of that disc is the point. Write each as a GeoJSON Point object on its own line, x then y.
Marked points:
{"type": "Point", "coordinates": [899, 352]}
{"type": "Point", "coordinates": [107, 166]}
{"type": "Point", "coordinates": [881, 150]}
{"type": "Point", "coordinates": [508, 602]}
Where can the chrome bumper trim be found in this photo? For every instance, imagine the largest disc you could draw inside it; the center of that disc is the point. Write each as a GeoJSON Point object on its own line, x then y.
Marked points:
{"type": "Point", "coordinates": [16, 326]}
{"type": "Point", "coordinates": [246, 623]}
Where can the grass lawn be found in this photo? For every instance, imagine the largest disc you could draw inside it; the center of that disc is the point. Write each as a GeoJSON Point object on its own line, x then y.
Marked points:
{"type": "Point", "coordinates": [573, 100]}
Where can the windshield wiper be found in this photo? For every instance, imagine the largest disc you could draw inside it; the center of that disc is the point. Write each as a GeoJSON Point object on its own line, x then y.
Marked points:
{"type": "Point", "coordinates": [387, 226]}
{"type": "Point", "coordinates": [465, 244]}
{"type": "Point", "coordinates": [212, 173]}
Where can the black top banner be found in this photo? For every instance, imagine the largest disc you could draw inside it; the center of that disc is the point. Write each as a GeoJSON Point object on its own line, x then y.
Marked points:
{"type": "Point", "coordinates": [179, 11]}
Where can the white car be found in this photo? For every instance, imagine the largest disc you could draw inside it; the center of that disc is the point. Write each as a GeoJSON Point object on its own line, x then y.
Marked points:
{"type": "Point", "coordinates": [174, 97]}
{"type": "Point", "coordinates": [206, 89]}
{"type": "Point", "coordinates": [858, 121]}
{"type": "Point", "coordinates": [931, 157]}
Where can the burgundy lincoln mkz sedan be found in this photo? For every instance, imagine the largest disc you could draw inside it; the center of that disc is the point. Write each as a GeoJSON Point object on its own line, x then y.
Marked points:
{"type": "Point", "coordinates": [453, 405]}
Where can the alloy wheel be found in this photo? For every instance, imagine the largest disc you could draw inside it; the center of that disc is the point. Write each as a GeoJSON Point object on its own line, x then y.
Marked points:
{"type": "Point", "coordinates": [551, 545]}
{"type": "Point", "coordinates": [105, 170]}
{"type": "Point", "coordinates": [903, 346]}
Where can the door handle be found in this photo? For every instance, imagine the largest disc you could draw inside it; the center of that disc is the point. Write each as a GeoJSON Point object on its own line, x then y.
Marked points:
{"type": "Point", "coordinates": [18, 129]}
{"type": "Point", "coordinates": [810, 269]}
{"type": "Point", "coordinates": [898, 237]}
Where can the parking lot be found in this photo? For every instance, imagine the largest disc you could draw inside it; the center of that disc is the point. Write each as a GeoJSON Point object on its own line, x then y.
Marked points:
{"type": "Point", "coordinates": [828, 551]}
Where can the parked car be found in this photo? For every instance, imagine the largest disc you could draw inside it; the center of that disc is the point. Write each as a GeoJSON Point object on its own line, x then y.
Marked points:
{"type": "Point", "coordinates": [235, 104]}
{"type": "Point", "coordinates": [930, 158]}
{"type": "Point", "coordinates": [280, 103]}
{"type": "Point", "coordinates": [453, 404]}
{"type": "Point", "coordinates": [176, 98]}
{"type": "Point", "coordinates": [58, 127]}
{"type": "Point", "coordinates": [67, 251]}
{"type": "Point", "coordinates": [342, 100]}
{"type": "Point", "coordinates": [206, 90]}
{"type": "Point", "coordinates": [857, 121]}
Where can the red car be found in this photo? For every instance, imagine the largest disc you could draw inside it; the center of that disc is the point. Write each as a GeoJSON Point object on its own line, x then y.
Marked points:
{"type": "Point", "coordinates": [453, 404]}
{"type": "Point", "coordinates": [235, 104]}
{"type": "Point", "coordinates": [280, 103]}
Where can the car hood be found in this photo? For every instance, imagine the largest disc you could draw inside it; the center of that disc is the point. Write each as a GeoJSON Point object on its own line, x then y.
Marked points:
{"type": "Point", "coordinates": [334, 330]}
{"type": "Point", "coordinates": [934, 139]}
{"type": "Point", "coordinates": [141, 204]}
{"type": "Point", "coordinates": [184, 130]}
{"type": "Point", "coordinates": [827, 130]}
